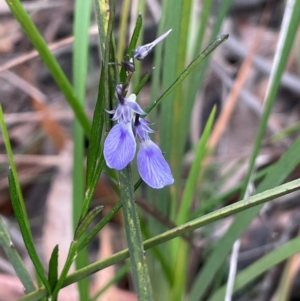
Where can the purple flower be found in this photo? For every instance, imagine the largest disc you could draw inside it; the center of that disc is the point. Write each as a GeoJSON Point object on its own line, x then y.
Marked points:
{"type": "Point", "coordinates": [142, 51]}
{"type": "Point", "coordinates": [119, 146]}
{"type": "Point", "coordinates": [152, 166]}
{"type": "Point", "coordinates": [127, 106]}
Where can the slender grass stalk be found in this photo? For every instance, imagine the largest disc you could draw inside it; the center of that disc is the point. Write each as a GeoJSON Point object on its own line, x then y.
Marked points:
{"type": "Point", "coordinates": [80, 63]}
{"type": "Point", "coordinates": [253, 201]}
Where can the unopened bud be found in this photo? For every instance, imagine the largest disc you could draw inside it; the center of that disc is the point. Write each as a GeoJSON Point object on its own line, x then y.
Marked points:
{"type": "Point", "coordinates": [142, 51]}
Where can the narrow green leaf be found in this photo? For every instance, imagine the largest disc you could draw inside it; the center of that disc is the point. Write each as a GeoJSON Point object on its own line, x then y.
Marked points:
{"type": "Point", "coordinates": [135, 35]}
{"type": "Point", "coordinates": [95, 230]}
{"type": "Point", "coordinates": [190, 186]}
{"type": "Point", "coordinates": [50, 61]}
{"type": "Point", "coordinates": [24, 230]}
{"type": "Point", "coordinates": [53, 268]}
{"type": "Point", "coordinates": [95, 148]}
{"type": "Point", "coordinates": [15, 259]}
{"type": "Point", "coordinates": [220, 39]}
{"type": "Point", "coordinates": [142, 83]}
{"type": "Point", "coordinates": [83, 225]}
{"type": "Point", "coordinates": [132, 45]}
{"type": "Point", "coordinates": [69, 261]}
{"type": "Point", "coordinates": [261, 266]}
{"type": "Point", "coordinates": [181, 248]}
{"type": "Point", "coordinates": [82, 20]}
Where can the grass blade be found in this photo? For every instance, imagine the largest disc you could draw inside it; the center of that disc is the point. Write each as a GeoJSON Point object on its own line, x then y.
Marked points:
{"type": "Point", "coordinates": [15, 259]}
{"type": "Point", "coordinates": [132, 45]}
{"type": "Point", "coordinates": [83, 225]}
{"type": "Point", "coordinates": [24, 230]}
{"type": "Point", "coordinates": [82, 18]}
{"type": "Point", "coordinates": [53, 268]}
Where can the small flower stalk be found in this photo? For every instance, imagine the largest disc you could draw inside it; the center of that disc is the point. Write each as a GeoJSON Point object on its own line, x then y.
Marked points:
{"type": "Point", "coordinates": [121, 142]}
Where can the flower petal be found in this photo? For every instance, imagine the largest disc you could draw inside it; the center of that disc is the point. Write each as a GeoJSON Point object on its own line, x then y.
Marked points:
{"type": "Point", "coordinates": [135, 107]}
{"type": "Point", "coordinates": [152, 166]}
{"type": "Point", "coordinates": [119, 146]}
{"type": "Point", "coordinates": [118, 113]}
{"type": "Point", "coordinates": [131, 97]}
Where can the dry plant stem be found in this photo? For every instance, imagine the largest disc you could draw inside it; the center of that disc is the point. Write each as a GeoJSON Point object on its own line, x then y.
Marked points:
{"type": "Point", "coordinates": [134, 237]}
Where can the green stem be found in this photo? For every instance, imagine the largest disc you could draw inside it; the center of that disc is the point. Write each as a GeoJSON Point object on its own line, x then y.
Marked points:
{"type": "Point", "coordinates": [134, 237]}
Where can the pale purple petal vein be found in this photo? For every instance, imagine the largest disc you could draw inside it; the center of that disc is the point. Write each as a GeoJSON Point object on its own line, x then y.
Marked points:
{"type": "Point", "coordinates": [119, 146]}
{"type": "Point", "coordinates": [152, 166]}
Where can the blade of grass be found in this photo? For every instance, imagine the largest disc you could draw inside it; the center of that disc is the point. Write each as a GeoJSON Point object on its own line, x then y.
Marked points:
{"type": "Point", "coordinates": [82, 18]}
{"type": "Point", "coordinates": [24, 231]}
{"type": "Point", "coordinates": [190, 186]}
{"type": "Point", "coordinates": [53, 268]}
{"type": "Point", "coordinates": [132, 45]}
{"type": "Point", "coordinates": [15, 259]}
{"type": "Point", "coordinates": [261, 266]}
{"type": "Point", "coordinates": [139, 9]}
{"type": "Point", "coordinates": [84, 224]}
{"type": "Point", "coordinates": [95, 149]}
{"type": "Point", "coordinates": [19, 205]}
{"type": "Point", "coordinates": [176, 232]}
{"type": "Point", "coordinates": [216, 259]}
{"type": "Point", "coordinates": [180, 246]}
{"type": "Point", "coordinates": [142, 83]}
{"type": "Point", "coordinates": [93, 232]}
{"type": "Point", "coordinates": [50, 61]}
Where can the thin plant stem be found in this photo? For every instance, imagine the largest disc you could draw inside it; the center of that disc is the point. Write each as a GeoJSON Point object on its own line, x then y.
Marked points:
{"type": "Point", "coordinates": [134, 237]}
